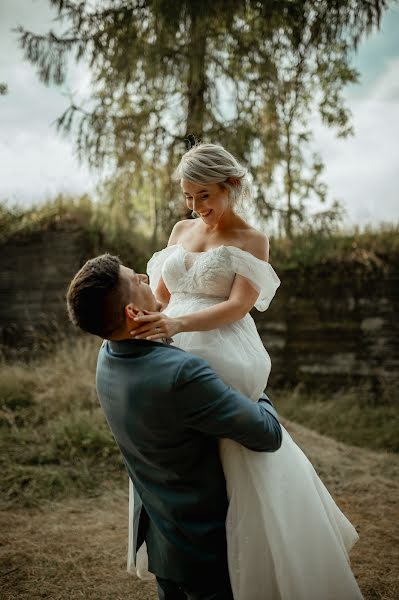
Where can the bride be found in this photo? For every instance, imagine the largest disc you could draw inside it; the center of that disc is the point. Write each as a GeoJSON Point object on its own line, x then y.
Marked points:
{"type": "Point", "coordinates": [286, 537]}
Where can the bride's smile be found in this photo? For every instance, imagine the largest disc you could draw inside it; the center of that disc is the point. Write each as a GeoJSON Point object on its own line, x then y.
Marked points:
{"type": "Point", "coordinates": [210, 201]}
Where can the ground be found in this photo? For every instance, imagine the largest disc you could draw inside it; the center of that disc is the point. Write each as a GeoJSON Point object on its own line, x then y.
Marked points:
{"type": "Point", "coordinates": [76, 549]}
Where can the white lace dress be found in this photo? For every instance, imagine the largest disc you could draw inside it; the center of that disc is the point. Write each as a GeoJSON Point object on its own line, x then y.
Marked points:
{"type": "Point", "coordinates": [286, 537]}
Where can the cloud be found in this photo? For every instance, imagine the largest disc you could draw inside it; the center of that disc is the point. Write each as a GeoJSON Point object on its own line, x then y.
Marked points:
{"type": "Point", "coordinates": [386, 88]}
{"type": "Point", "coordinates": [38, 165]}
{"type": "Point", "coordinates": [363, 171]}
{"type": "Point", "coordinates": [37, 162]}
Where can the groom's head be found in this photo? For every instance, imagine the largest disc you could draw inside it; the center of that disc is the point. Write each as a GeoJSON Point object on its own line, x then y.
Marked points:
{"type": "Point", "coordinates": [104, 297]}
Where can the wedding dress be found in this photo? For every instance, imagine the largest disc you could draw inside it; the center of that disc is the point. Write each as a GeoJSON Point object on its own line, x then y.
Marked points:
{"type": "Point", "coordinates": [286, 537]}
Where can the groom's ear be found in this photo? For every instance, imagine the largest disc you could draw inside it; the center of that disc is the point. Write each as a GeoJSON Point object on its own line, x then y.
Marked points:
{"type": "Point", "coordinates": [132, 311]}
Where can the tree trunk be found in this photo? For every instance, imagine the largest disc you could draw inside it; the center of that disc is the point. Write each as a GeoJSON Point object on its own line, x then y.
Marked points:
{"type": "Point", "coordinates": [196, 81]}
{"type": "Point", "coordinates": [154, 218]}
{"type": "Point", "coordinates": [288, 220]}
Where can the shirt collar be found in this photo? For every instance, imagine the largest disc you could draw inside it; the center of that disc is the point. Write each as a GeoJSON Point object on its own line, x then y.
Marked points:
{"type": "Point", "coordinates": [135, 346]}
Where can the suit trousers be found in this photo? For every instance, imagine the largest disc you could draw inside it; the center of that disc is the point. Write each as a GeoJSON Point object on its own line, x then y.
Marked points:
{"type": "Point", "coordinates": [170, 590]}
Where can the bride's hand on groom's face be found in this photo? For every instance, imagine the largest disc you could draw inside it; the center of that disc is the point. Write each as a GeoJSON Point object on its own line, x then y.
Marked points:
{"type": "Point", "coordinates": [155, 326]}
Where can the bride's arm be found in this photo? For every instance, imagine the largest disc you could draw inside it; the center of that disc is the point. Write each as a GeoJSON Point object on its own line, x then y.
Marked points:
{"type": "Point", "coordinates": [242, 298]}
{"type": "Point", "coordinates": [162, 293]}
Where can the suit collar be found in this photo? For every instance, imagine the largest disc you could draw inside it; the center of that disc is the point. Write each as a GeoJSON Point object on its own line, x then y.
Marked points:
{"type": "Point", "coordinates": [119, 347]}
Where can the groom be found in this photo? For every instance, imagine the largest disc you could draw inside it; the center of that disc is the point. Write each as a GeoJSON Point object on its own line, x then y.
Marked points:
{"type": "Point", "coordinates": [167, 409]}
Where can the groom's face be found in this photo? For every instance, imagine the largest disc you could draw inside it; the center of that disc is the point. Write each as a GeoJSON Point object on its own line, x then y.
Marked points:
{"type": "Point", "coordinates": [140, 293]}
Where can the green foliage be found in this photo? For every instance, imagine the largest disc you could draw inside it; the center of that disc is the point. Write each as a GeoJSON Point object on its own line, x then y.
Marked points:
{"type": "Point", "coordinates": [311, 77]}
{"type": "Point", "coordinates": [60, 212]}
{"type": "Point", "coordinates": [372, 248]}
{"type": "Point", "coordinates": [132, 200]}
{"type": "Point", "coordinates": [82, 433]}
{"type": "Point", "coordinates": [248, 75]}
{"type": "Point", "coordinates": [106, 224]}
{"type": "Point", "coordinates": [112, 223]}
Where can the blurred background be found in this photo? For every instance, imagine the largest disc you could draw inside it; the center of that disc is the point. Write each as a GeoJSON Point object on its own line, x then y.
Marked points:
{"type": "Point", "coordinates": [99, 100]}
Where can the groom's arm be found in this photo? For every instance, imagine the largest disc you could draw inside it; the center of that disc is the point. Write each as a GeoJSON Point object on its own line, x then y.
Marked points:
{"type": "Point", "coordinates": [210, 406]}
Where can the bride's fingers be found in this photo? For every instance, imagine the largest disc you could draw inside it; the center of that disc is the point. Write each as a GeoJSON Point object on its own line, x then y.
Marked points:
{"type": "Point", "coordinates": [147, 318]}
{"type": "Point", "coordinates": [150, 335]}
{"type": "Point", "coordinates": [141, 331]}
{"type": "Point", "coordinates": [158, 336]}
{"type": "Point", "coordinates": [145, 332]}
{"type": "Point", "coordinates": [146, 328]}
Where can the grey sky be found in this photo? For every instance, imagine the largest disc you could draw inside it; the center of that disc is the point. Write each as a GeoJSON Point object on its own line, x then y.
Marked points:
{"type": "Point", "coordinates": [36, 162]}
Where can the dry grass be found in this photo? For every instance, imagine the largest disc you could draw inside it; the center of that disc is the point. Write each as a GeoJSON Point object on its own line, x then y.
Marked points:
{"type": "Point", "coordinates": [76, 548]}
{"type": "Point", "coordinates": [72, 550]}
{"type": "Point", "coordinates": [359, 416]}
{"type": "Point", "coordinates": [365, 485]}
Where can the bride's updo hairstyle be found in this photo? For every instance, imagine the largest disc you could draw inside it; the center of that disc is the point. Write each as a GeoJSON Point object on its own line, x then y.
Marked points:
{"type": "Point", "coordinates": [210, 163]}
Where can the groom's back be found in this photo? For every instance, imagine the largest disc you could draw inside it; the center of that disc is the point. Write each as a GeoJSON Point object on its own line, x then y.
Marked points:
{"type": "Point", "coordinates": [176, 470]}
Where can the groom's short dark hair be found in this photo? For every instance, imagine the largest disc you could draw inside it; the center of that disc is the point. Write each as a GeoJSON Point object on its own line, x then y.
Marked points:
{"type": "Point", "coordinates": [97, 296]}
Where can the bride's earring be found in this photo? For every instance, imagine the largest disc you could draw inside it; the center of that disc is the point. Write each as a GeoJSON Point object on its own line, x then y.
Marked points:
{"type": "Point", "coordinates": [194, 214]}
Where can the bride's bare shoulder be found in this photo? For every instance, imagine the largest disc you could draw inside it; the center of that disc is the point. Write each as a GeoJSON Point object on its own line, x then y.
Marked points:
{"type": "Point", "coordinates": [179, 229]}
{"type": "Point", "coordinates": [257, 243]}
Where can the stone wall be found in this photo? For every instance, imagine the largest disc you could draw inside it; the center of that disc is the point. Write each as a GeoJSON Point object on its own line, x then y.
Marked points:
{"type": "Point", "coordinates": [334, 325]}
{"type": "Point", "coordinates": [328, 324]}
{"type": "Point", "coordinates": [35, 270]}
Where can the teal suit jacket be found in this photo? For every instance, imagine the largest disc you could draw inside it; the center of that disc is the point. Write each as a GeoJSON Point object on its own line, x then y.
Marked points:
{"type": "Point", "coordinates": [167, 409]}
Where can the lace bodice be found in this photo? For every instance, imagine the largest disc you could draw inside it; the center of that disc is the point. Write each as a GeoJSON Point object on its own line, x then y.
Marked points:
{"type": "Point", "coordinates": [212, 273]}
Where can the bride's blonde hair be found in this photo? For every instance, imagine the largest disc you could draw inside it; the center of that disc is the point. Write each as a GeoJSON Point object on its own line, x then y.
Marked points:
{"type": "Point", "coordinates": [211, 163]}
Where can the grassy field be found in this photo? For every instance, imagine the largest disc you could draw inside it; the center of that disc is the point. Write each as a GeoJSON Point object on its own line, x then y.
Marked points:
{"type": "Point", "coordinates": [64, 488]}
{"type": "Point", "coordinates": [355, 415]}
{"type": "Point", "coordinates": [55, 442]}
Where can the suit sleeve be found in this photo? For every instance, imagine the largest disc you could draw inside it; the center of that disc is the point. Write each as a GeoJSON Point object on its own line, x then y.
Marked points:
{"type": "Point", "coordinates": [210, 406]}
